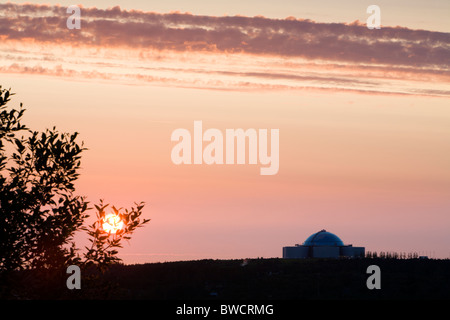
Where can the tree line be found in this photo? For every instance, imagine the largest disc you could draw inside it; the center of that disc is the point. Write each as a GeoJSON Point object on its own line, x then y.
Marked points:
{"type": "Point", "coordinates": [393, 255]}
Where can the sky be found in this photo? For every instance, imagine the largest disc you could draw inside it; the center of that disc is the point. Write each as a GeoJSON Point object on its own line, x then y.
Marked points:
{"type": "Point", "coordinates": [363, 117]}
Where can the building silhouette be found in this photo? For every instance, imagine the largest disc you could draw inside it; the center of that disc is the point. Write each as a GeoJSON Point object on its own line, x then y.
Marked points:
{"type": "Point", "coordinates": [323, 244]}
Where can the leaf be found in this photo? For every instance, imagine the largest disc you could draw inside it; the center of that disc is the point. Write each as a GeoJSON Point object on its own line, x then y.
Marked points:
{"type": "Point", "coordinates": [20, 146]}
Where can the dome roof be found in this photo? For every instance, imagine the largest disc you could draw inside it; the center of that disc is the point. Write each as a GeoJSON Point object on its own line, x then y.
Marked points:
{"type": "Point", "coordinates": [323, 238]}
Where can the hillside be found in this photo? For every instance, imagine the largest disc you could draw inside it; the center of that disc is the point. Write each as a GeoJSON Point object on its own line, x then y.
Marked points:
{"type": "Point", "coordinates": [256, 279]}
{"type": "Point", "coordinates": [282, 279]}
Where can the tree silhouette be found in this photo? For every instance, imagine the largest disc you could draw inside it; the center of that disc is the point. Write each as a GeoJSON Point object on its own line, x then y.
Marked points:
{"type": "Point", "coordinates": [39, 212]}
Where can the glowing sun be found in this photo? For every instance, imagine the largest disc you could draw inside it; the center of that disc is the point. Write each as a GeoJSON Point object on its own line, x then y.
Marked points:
{"type": "Point", "coordinates": [112, 223]}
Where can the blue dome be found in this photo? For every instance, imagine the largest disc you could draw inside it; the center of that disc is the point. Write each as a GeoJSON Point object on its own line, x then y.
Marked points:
{"type": "Point", "coordinates": [323, 238]}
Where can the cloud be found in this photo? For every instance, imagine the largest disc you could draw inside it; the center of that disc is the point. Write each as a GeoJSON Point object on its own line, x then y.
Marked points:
{"type": "Point", "coordinates": [232, 84]}
{"type": "Point", "coordinates": [229, 34]}
{"type": "Point", "coordinates": [223, 53]}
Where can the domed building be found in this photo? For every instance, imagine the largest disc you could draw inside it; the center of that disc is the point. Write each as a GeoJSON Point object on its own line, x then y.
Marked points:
{"type": "Point", "coordinates": [323, 244]}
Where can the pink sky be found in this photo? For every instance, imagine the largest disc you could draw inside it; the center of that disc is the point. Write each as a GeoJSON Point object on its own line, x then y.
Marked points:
{"type": "Point", "coordinates": [363, 115]}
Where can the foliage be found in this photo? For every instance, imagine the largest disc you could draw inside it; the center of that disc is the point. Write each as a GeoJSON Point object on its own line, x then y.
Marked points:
{"type": "Point", "coordinates": [391, 255]}
{"type": "Point", "coordinates": [275, 279]}
{"type": "Point", "coordinates": [103, 249]}
{"type": "Point", "coordinates": [39, 211]}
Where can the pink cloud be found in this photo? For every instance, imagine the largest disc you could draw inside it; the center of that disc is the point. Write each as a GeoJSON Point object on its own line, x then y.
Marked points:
{"type": "Point", "coordinates": [349, 43]}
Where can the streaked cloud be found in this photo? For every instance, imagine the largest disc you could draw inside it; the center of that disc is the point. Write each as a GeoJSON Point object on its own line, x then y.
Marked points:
{"type": "Point", "coordinates": [228, 52]}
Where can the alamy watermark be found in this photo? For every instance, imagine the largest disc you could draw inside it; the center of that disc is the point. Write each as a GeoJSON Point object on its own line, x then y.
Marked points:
{"type": "Point", "coordinates": [374, 280]}
{"type": "Point", "coordinates": [74, 280]}
{"type": "Point", "coordinates": [74, 21]}
{"type": "Point", "coordinates": [221, 150]}
{"type": "Point", "coordinates": [374, 20]}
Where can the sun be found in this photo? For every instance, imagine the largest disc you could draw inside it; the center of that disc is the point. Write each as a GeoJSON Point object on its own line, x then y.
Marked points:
{"type": "Point", "coordinates": [112, 223]}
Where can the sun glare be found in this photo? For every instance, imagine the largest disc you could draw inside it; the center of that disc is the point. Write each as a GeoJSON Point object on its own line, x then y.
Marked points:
{"type": "Point", "coordinates": [112, 223]}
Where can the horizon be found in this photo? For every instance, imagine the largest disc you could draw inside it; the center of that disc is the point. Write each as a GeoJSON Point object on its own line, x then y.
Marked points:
{"type": "Point", "coordinates": [363, 118]}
